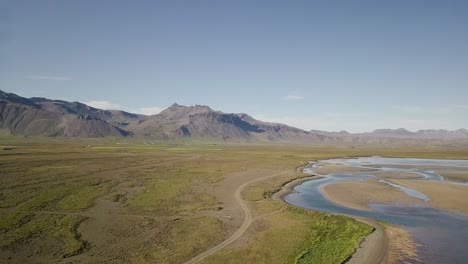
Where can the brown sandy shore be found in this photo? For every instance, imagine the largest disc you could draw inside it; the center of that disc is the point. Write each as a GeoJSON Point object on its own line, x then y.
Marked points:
{"type": "Point", "coordinates": [373, 249]}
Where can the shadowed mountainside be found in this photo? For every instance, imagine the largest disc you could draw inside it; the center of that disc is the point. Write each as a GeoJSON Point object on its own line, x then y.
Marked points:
{"type": "Point", "coordinates": [43, 117]}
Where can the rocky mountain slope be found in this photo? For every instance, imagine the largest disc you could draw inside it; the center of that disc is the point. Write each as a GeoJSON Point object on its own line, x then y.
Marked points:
{"type": "Point", "coordinates": [202, 122]}
{"type": "Point", "coordinates": [45, 117]}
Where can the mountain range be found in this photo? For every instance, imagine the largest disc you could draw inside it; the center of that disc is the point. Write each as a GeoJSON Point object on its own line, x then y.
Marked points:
{"type": "Point", "coordinates": [404, 133]}
{"type": "Point", "coordinates": [44, 117]}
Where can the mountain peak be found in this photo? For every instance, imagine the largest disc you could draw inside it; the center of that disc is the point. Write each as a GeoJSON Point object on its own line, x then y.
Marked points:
{"type": "Point", "coordinates": [402, 130]}
{"type": "Point", "coordinates": [176, 111]}
{"type": "Point", "coordinates": [175, 105]}
{"type": "Point", "coordinates": [393, 131]}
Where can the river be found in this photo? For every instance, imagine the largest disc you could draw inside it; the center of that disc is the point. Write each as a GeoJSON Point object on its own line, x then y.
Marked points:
{"type": "Point", "coordinates": [442, 235]}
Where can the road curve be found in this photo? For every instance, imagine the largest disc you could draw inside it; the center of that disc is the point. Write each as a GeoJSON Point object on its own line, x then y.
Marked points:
{"type": "Point", "coordinates": [245, 225]}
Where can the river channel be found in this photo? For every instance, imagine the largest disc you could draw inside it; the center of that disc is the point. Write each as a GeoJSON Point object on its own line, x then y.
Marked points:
{"type": "Point", "coordinates": [442, 235]}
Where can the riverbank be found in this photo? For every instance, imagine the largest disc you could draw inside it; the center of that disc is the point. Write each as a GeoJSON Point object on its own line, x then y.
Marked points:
{"type": "Point", "coordinates": [288, 188]}
{"type": "Point", "coordinates": [372, 250]}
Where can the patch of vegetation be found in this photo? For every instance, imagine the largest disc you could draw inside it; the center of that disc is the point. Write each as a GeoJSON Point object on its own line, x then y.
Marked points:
{"type": "Point", "coordinates": [13, 219]}
{"type": "Point", "coordinates": [83, 197]}
{"type": "Point", "coordinates": [62, 228]}
{"type": "Point", "coordinates": [161, 189]}
{"type": "Point", "coordinates": [184, 239]}
{"type": "Point", "coordinates": [333, 239]}
{"type": "Point", "coordinates": [66, 231]}
{"type": "Point", "coordinates": [65, 197]}
{"type": "Point", "coordinates": [265, 206]}
{"type": "Point", "coordinates": [13, 197]}
{"type": "Point", "coordinates": [180, 188]}
{"type": "Point", "coordinates": [26, 230]}
{"type": "Point", "coordinates": [297, 236]}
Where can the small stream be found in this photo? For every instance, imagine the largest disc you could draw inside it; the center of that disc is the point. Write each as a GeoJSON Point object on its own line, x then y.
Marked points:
{"type": "Point", "coordinates": [443, 235]}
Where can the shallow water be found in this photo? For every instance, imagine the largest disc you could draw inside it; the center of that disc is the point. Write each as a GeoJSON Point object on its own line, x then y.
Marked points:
{"type": "Point", "coordinates": [362, 161]}
{"type": "Point", "coordinates": [443, 235]}
{"type": "Point", "coordinates": [408, 191]}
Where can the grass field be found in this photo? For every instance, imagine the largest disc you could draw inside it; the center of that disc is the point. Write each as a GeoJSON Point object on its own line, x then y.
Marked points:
{"type": "Point", "coordinates": [125, 201]}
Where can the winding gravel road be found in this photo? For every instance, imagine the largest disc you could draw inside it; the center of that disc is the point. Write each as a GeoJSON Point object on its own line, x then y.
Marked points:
{"type": "Point", "coordinates": [245, 225]}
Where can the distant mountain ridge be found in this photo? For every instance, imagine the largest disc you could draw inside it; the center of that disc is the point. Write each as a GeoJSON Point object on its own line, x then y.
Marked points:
{"type": "Point", "coordinates": [45, 117]}
{"type": "Point", "coordinates": [401, 133]}
{"type": "Point", "coordinates": [427, 133]}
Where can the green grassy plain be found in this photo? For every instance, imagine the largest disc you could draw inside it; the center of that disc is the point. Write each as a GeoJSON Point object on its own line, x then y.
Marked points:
{"type": "Point", "coordinates": [126, 201]}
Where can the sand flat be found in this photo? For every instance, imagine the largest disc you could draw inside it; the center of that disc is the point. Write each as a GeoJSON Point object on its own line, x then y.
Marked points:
{"type": "Point", "coordinates": [443, 195]}
{"type": "Point", "coordinates": [396, 175]}
{"type": "Point", "coordinates": [457, 174]}
{"type": "Point", "coordinates": [359, 194]}
{"type": "Point", "coordinates": [454, 175]}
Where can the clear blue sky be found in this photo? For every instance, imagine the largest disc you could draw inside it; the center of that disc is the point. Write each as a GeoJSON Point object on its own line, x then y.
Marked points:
{"type": "Point", "coordinates": [331, 65]}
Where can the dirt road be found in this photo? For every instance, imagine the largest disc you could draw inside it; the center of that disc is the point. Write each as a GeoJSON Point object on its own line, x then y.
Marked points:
{"type": "Point", "coordinates": [245, 225]}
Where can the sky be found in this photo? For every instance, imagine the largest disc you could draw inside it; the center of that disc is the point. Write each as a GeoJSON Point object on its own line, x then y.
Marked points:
{"type": "Point", "coordinates": [326, 65]}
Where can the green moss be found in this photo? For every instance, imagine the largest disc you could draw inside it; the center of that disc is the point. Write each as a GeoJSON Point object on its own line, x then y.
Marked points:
{"type": "Point", "coordinates": [13, 219]}
{"type": "Point", "coordinates": [333, 240]}
{"type": "Point", "coordinates": [63, 228]}
{"type": "Point", "coordinates": [82, 197]}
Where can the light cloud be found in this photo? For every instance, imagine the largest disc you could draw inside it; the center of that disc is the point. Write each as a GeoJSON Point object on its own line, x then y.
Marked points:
{"type": "Point", "coordinates": [153, 110]}
{"type": "Point", "coordinates": [293, 97]}
{"type": "Point", "coordinates": [48, 77]}
{"type": "Point", "coordinates": [106, 105]}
